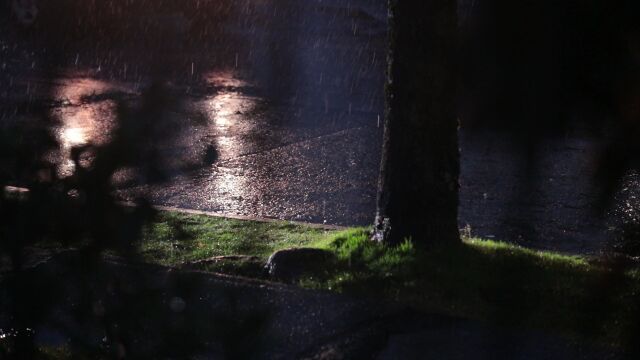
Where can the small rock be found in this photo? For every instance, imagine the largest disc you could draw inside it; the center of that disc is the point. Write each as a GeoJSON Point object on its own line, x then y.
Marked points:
{"type": "Point", "coordinates": [290, 264]}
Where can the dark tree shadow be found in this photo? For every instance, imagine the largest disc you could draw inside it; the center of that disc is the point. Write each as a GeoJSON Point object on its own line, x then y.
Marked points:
{"type": "Point", "coordinates": [98, 299]}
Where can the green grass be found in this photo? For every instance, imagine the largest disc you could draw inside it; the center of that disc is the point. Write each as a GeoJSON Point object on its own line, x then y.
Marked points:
{"type": "Point", "coordinates": [176, 238]}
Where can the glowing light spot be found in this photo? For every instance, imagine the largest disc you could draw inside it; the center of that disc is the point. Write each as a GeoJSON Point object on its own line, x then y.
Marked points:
{"type": "Point", "coordinates": [74, 136]}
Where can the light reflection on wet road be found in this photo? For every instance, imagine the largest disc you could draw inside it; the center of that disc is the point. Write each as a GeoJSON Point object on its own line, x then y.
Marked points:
{"type": "Point", "coordinates": [314, 173]}
{"type": "Point", "coordinates": [294, 116]}
{"type": "Point", "coordinates": [80, 122]}
{"type": "Point", "coordinates": [272, 163]}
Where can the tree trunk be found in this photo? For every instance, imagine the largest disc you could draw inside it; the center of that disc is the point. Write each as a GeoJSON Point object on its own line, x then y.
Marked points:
{"type": "Point", "coordinates": [418, 189]}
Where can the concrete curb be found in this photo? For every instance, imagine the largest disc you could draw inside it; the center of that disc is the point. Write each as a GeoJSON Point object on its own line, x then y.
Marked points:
{"type": "Point", "coordinates": [22, 193]}
{"type": "Point", "coordinates": [245, 218]}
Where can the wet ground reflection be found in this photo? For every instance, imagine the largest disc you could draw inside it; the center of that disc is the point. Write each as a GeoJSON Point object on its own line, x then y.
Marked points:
{"type": "Point", "coordinates": [272, 164]}
{"type": "Point", "coordinates": [85, 115]}
{"type": "Point", "coordinates": [291, 104]}
{"type": "Point", "coordinates": [226, 111]}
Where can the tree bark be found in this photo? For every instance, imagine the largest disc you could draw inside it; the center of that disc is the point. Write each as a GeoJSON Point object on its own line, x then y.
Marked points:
{"type": "Point", "coordinates": [418, 189]}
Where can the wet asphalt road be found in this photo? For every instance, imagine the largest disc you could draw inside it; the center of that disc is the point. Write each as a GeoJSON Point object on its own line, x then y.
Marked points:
{"type": "Point", "coordinates": [295, 120]}
{"type": "Point", "coordinates": [553, 206]}
{"type": "Point", "coordinates": [291, 94]}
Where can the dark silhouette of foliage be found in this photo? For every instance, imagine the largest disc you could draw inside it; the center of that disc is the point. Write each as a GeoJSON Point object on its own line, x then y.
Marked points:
{"type": "Point", "coordinates": [98, 299]}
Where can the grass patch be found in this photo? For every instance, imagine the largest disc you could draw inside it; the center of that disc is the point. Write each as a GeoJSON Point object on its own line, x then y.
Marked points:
{"type": "Point", "coordinates": [176, 238]}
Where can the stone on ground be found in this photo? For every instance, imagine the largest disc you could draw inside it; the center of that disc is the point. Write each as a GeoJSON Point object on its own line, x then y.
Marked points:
{"type": "Point", "coordinates": [290, 264]}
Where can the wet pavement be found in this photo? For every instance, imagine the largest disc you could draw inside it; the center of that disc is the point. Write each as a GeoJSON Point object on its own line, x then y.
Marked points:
{"type": "Point", "coordinates": [552, 205]}
{"type": "Point", "coordinates": [290, 95]}
{"type": "Point", "coordinates": [293, 109]}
